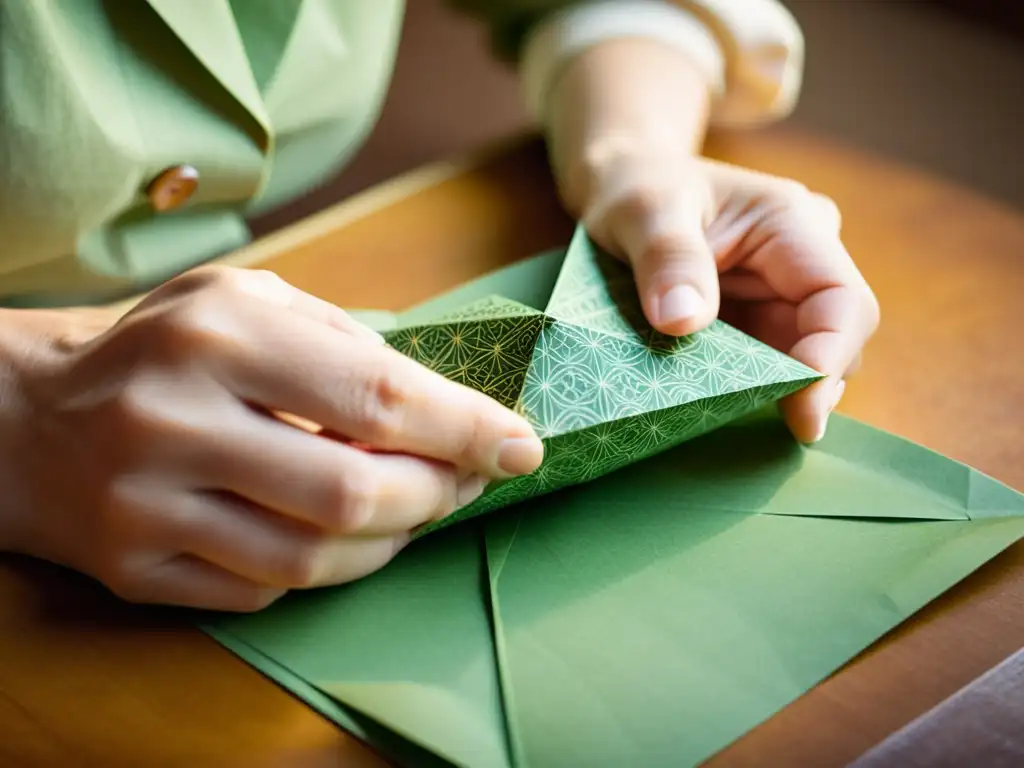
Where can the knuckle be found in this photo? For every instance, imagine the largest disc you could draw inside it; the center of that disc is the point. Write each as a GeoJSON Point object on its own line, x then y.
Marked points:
{"type": "Point", "coordinates": [383, 407]}
{"type": "Point", "coordinates": [265, 278]}
{"type": "Point", "coordinates": [349, 499]}
{"type": "Point", "coordinates": [200, 279]}
{"type": "Point", "coordinates": [828, 207]}
{"type": "Point", "coordinates": [631, 211]}
{"type": "Point", "coordinates": [117, 506]}
{"type": "Point", "coordinates": [641, 202]}
{"type": "Point", "coordinates": [450, 497]}
{"type": "Point", "coordinates": [124, 581]}
{"type": "Point", "coordinates": [801, 209]}
{"type": "Point", "coordinates": [214, 276]}
{"type": "Point", "coordinates": [791, 193]}
{"type": "Point", "coordinates": [260, 283]}
{"type": "Point", "coordinates": [119, 525]}
{"type": "Point", "coordinates": [671, 247]}
{"type": "Point", "coordinates": [219, 279]}
{"type": "Point", "coordinates": [187, 282]}
{"type": "Point", "coordinates": [193, 328]}
{"type": "Point", "coordinates": [300, 565]}
{"type": "Point", "coordinates": [872, 310]}
{"type": "Point", "coordinates": [477, 435]}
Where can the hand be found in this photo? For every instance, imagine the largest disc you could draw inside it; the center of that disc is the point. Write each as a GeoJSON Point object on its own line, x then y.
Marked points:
{"type": "Point", "coordinates": [152, 457]}
{"type": "Point", "coordinates": [707, 239]}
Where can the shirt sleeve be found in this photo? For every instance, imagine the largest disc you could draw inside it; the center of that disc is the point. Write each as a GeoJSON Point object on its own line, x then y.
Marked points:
{"type": "Point", "coordinates": [750, 51]}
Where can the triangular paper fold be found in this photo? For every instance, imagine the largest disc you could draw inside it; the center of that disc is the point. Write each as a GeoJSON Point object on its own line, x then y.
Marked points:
{"type": "Point", "coordinates": [597, 383]}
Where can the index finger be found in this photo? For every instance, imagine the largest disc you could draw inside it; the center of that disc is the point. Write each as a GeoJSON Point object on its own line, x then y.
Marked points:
{"type": "Point", "coordinates": [836, 313]}
{"type": "Point", "coordinates": [374, 394]}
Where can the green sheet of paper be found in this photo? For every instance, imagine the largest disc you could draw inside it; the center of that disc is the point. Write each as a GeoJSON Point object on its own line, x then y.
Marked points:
{"type": "Point", "coordinates": [645, 616]}
{"type": "Point", "coordinates": [562, 339]}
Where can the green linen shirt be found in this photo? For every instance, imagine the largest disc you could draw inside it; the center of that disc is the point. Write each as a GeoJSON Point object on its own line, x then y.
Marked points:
{"type": "Point", "coordinates": [264, 98]}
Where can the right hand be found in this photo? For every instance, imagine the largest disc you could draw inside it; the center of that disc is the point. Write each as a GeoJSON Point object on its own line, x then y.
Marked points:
{"type": "Point", "coordinates": [151, 458]}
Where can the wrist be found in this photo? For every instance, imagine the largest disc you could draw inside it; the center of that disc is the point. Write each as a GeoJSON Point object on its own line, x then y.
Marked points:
{"type": "Point", "coordinates": [623, 101]}
{"type": "Point", "coordinates": [33, 343]}
{"type": "Point", "coordinates": [34, 340]}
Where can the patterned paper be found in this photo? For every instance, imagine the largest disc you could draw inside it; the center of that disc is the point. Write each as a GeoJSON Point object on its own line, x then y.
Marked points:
{"type": "Point", "coordinates": [600, 386]}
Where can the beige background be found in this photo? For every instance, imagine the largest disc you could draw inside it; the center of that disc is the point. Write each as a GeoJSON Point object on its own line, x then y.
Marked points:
{"type": "Point", "coordinates": [905, 78]}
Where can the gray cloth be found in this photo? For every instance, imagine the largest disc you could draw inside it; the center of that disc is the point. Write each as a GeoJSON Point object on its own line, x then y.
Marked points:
{"type": "Point", "coordinates": [980, 725]}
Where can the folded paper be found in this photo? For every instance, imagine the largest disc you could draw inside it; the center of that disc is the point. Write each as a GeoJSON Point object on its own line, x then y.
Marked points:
{"type": "Point", "coordinates": [563, 341]}
{"type": "Point", "coordinates": [654, 614]}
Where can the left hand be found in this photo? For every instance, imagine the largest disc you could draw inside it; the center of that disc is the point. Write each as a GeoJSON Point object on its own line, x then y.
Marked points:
{"type": "Point", "coordinates": [707, 239]}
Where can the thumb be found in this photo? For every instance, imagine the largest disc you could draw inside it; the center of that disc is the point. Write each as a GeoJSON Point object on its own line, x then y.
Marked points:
{"type": "Point", "coordinates": [674, 267]}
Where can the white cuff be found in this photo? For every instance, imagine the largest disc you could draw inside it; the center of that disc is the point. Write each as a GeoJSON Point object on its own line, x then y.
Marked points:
{"type": "Point", "coordinates": [750, 51]}
{"type": "Point", "coordinates": [764, 54]}
{"type": "Point", "coordinates": [565, 34]}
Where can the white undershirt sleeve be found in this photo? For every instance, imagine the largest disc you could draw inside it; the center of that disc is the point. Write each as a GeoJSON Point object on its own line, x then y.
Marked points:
{"type": "Point", "coordinates": [750, 51]}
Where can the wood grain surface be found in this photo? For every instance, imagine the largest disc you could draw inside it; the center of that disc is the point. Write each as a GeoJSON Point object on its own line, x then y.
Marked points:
{"type": "Point", "coordinates": [85, 680]}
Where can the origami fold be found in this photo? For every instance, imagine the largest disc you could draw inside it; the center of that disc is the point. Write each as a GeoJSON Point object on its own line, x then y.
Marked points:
{"type": "Point", "coordinates": [651, 615]}
{"type": "Point", "coordinates": [562, 340]}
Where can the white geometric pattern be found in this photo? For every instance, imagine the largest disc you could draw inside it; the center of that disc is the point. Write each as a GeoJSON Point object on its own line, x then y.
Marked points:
{"type": "Point", "coordinates": [601, 388]}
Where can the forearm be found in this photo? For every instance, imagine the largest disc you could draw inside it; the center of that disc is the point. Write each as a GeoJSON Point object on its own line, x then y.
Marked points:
{"type": "Point", "coordinates": [622, 99]}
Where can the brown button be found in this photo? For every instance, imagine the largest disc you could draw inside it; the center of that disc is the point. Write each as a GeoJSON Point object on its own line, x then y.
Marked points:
{"type": "Point", "coordinates": [173, 187]}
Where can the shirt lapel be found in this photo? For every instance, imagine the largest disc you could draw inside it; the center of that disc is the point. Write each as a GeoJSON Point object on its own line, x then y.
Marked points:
{"type": "Point", "coordinates": [208, 30]}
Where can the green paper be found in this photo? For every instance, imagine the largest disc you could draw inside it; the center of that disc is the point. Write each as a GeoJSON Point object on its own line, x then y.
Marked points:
{"type": "Point", "coordinates": [563, 341]}
{"type": "Point", "coordinates": [646, 616]}
{"type": "Point", "coordinates": [639, 618]}
{"type": "Point", "coordinates": [440, 697]}
{"type": "Point", "coordinates": [685, 628]}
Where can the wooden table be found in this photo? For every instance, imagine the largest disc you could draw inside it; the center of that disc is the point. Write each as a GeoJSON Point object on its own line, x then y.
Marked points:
{"type": "Point", "coordinates": [85, 680]}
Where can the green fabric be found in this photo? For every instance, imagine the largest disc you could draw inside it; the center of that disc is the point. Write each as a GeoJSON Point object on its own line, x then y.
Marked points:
{"type": "Point", "coordinates": [266, 98]}
{"type": "Point", "coordinates": [651, 615]}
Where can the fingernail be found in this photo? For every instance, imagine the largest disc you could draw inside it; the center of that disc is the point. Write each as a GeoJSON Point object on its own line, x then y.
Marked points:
{"type": "Point", "coordinates": [469, 490]}
{"type": "Point", "coordinates": [520, 455]}
{"type": "Point", "coordinates": [400, 542]}
{"type": "Point", "coordinates": [840, 389]}
{"type": "Point", "coordinates": [679, 303]}
{"type": "Point", "coordinates": [837, 395]}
